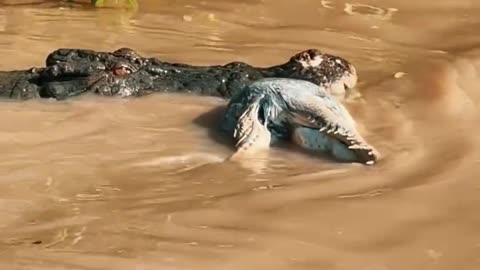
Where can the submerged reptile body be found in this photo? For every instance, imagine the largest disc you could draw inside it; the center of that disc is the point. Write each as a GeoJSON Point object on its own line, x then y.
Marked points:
{"type": "Point", "coordinates": [124, 72]}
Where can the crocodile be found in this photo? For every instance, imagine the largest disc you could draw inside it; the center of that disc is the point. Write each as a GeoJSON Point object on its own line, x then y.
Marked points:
{"type": "Point", "coordinates": [126, 73]}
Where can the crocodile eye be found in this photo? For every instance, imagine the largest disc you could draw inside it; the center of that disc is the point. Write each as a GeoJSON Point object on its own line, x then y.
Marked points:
{"type": "Point", "coordinates": [122, 69]}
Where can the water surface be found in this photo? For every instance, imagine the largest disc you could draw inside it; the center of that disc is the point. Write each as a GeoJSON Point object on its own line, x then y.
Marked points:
{"type": "Point", "coordinates": [98, 183]}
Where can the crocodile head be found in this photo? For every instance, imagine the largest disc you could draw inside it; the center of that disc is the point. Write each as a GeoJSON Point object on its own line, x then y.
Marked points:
{"type": "Point", "coordinates": [70, 72]}
{"type": "Point", "coordinates": [125, 73]}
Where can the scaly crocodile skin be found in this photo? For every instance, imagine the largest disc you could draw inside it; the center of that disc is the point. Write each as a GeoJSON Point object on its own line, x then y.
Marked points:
{"type": "Point", "coordinates": [124, 72]}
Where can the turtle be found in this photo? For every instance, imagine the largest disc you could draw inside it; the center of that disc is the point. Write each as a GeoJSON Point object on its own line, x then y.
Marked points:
{"type": "Point", "coordinates": [271, 110]}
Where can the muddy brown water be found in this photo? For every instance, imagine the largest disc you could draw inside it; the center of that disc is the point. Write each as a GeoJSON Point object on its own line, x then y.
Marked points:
{"type": "Point", "coordinates": [98, 183]}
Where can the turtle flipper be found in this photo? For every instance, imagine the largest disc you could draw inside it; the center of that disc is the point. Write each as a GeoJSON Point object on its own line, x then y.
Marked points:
{"type": "Point", "coordinates": [314, 140]}
{"type": "Point", "coordinates": [251, 133]}
{"type": "Point", "coordinates": [325, 125]}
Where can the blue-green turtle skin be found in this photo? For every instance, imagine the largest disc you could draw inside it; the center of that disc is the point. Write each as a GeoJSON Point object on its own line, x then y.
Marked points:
{"type": "Point", "coordinates": [242, 100]}
{"type": "Point", "coordinates": [301, 111]}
